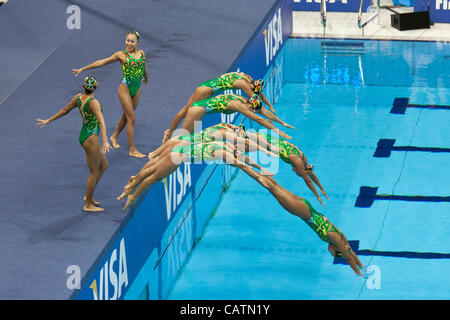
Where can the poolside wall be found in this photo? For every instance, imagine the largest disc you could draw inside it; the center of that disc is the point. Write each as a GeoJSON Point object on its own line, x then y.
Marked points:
{"type": "Point", "coordinates": [145, 255]}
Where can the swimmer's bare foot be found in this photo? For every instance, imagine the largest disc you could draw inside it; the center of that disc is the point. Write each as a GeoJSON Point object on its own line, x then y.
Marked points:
{"type": "Point", "coordinates": [130, 181]}
{"type": "Point", "coordinates": [126, 191]}
{"type": "Point", "coordinates": [92, 208]}
{"type": "Point", "coordinates": [96, 203]}
{"type": "Point", "coordinates": [130, 200]}
{"type": "Point", "coordinates": [136, 154]}
{"type": "Point", "coordinates": [114, 143]}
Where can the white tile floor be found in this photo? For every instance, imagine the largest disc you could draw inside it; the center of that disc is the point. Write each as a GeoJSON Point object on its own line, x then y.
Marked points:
{"type": "Point", "coordinates": [308, 24]}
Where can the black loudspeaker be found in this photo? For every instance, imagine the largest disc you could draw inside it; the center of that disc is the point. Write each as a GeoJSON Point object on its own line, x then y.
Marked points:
{"type": "Point", "coordinates": [410, 21]}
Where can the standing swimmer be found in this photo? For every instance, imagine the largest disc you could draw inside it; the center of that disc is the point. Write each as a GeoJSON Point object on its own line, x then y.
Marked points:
{"type": "Point", "coordinates": [92, 114]}
{"type": "Point", "coordinates": [135, 69]}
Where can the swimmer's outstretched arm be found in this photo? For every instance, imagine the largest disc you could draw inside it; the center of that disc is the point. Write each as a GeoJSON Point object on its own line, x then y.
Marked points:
{"type": "Point", "coordinates": [299, 168]}
{"type": "Point", "coordinates": [258, 177]}
{"type": "Point", "coordinates": [273, 117]}
{"type": "Point", "coordinates": [248, 144]}
{"type": "Point", "coordinates": [267, 103]}
{"type": "Point", "coordinates": [254, 164]}
{"type": "Point", "coordinates": [65, 110]}
{"type": "Point", "coordinates": [99, 63]}
{"type": "Point", "coordinates": [230, 159]}
{"type": "Point", "coordinates": [343, 249]}
{"type": "Point", "coordinates": [252, 146]}
{"type": "Point", "coordinates": [314, 178]}
{"type": "Point", "coordinates": [261, 141]}
{"type": "Point", "coordinates": [246, 112]}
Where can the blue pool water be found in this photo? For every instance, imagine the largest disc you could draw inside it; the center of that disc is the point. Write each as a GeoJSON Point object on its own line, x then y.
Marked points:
{"type": "Point", "coordinates": [339, 96]}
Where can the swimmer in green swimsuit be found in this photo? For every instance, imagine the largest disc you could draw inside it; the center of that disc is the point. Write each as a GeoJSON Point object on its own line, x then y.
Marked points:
{"type": "Point", "coordinates": [169, 162]}
{"type": "Point", "coordinates": [292, 155]}
{"type": "Point", "coordinates": [93, 122]}
{"type": "Point", "coordinates": [321, 225]}
{"type": "Point", "coordinates": [231, 103]}
{"type": "Point", "coordinates": [227, 81]}
{"type": "Point", "coordinates": [221, 133]}
{"type": "Point", "coordinates": [134, 67]}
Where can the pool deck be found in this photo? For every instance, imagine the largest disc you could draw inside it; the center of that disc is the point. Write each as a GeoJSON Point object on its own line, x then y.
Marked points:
{"type": "Point", "coordinates": [308, 24]}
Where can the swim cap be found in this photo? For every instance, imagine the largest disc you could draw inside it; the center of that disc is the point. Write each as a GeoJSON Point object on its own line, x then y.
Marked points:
{"type": "Point", "coordinates": [259, 84]}
{"type": "Point", "coordinates": [238, 154]}
{"type": "Point", "coordinates": [90, 83]}
{"type": "Point", "coordinates": [241, 131]}
{"type": "Point", "coordinates": [135, 33]}
{"type": "Point", "coordinates": [255, 102]}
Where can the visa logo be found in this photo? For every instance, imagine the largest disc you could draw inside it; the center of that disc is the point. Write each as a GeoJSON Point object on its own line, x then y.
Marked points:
{"type": "Point", "coordinates": [114, 272]}
{"type": "Point", "coordinates": [176, 186]}
{"type": "Point", "coordinates": [273, 36]}
{"type": "Point", "coordinates": [444, 3]}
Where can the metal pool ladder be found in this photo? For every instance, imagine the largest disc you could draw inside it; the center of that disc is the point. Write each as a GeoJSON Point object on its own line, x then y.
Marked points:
{"type": "Point", "coordinates": [375, 8]}
{"type": "Point", "coordinates": [323, 14]}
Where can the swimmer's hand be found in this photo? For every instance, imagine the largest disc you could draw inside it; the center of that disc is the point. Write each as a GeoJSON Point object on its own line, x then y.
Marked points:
{"type": "Point", "coordinates": [42, 123]}
{"type": "Point", "coordinates": [282, 134]}
{"type": "Point", "coordinates": [288, 125]}
{"type": "Point", "coordinates": [265, 172]}
{"type": "Point", "coordinates": [106, 147]}
{"type": "Point", "coordinates": [76, 72]}
{"type": "Point", "coordinates": [320, 200]}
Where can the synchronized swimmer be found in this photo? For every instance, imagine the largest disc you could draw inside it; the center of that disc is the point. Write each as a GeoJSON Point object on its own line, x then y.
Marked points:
{"type": "Point", "coordinates": [169, 161]}
{"type": "Point", "coordinates": [291, 154]}
{"type": "Point", "coordinates": [93, 123]}
{"type": "Point", "coordinates": [219, 142]}
{"type": "Point", "coordinates": [223, 142]}
{"type": "Point", "coordinates": [227, 81]}
{"type": "Point", "coordinates": [321, 225]}
{"type": "Point", "coordinates": [134, 67]}
{"type": "Point", "coordinates": [231, 103]}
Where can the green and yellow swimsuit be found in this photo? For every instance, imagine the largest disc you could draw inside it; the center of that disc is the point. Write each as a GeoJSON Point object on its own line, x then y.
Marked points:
{"type": "Point", "coordinates": [319, 223]}
{"type": "Point", "coordinates": [218, 103]}
{"type": "Point", "coordinates": [285, 148]}
{"type": "Point", "coordinates": [223, 82]}
{"type": "Point", "coordinates": [133, 72]}
{"type": "Point", "coordinates": [201, 151]}
{"type": "Point", "coordinates": [90, 122]}
{"type": "Point", "coordinates": [204, 135]}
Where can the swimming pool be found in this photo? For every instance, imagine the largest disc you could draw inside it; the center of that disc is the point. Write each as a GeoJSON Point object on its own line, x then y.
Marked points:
{"type": "Point", "coordinates": [372, 116]}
